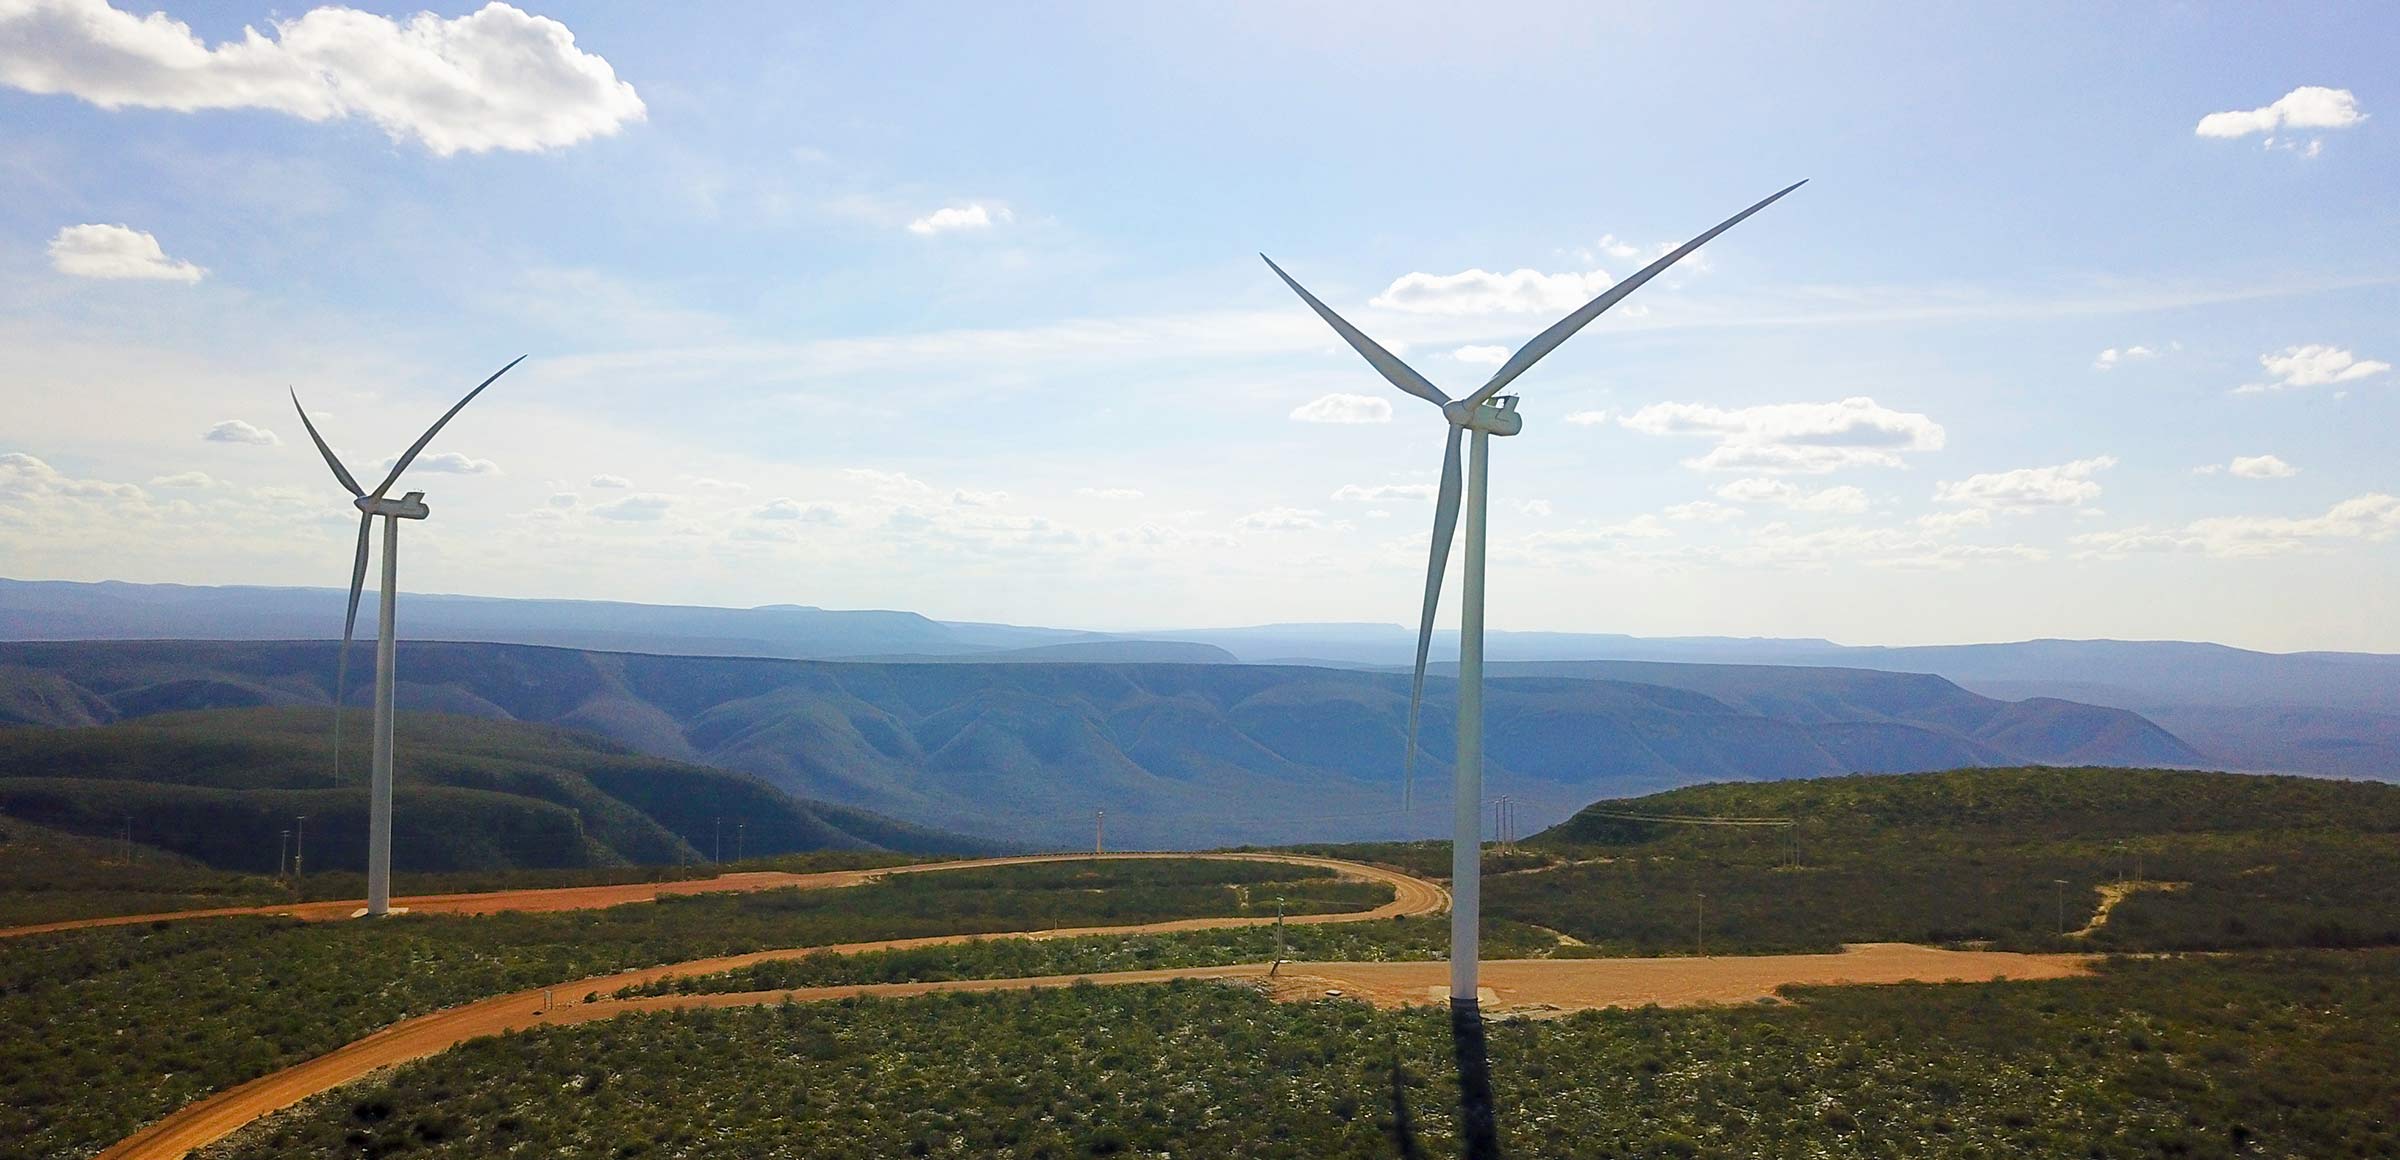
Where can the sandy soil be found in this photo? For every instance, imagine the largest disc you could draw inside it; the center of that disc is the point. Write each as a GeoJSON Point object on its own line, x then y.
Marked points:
{"type": "Point", "coordinates": [600, 897]}
{"type": "Point", "coordinates": [2114, 893]}
{"type": "Point", "coordinates": [1541, 986]}
{"type": "Point", "coordinates": [1529, 987]}
{"type": "Point", "coordinates": [212, 1119]}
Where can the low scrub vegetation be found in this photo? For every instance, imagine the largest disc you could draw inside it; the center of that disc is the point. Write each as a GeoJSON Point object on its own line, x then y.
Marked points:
{"type": "Point", "coordinates": [2015, 858]}
{"type": "Point", "coordinates": [102, 1030]}
{"type": "Point", "coordinates": [1397, 940]}
{"type": "Point", "coordinates": [2277, 1055]}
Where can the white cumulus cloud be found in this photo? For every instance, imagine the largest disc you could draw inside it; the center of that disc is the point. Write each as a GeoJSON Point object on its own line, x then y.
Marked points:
{"type": "Point", "coordinates": [1486, 292]}
{"type": "Point", "coordinates": [445, 463]}
{"type": "Point", "coordinates": [895, 483]}
{"type": "Point", "coordinates": [2312, 365]}
{"type": "Point", "coordinates": [2111, 358]}
{"type": "Point", "coordinates": [496, 78]}
{"type": "Point", "coordinates": [1281, 519]}
{"type": "Point", "coordinates": [2374, 516]}
{"type": "Point", "coordinates": [1109, 492]}
{"type": "Point", "coordinates": [641, 506]}
{"type": "Point", "coordinates": [2028, 488]}
{"type": "Point", "coordinates": [111, 251]}
{"type": "Point", "coordinates": [797, 510]}
{"type": "Point", "coordinates": [1338, 408]}
{"type": "Point", "coordinates": [237, 431]}
{"type": "Point", "coordinates": [972, 216]}
{"type": "Point", "coordinates": [1846, 500]}
{"type": "Point", "coordinates": [611, 481]}
{"type": "Point", "coordinates": [1383, 493]}
{"type": "Point", "coordinates": [2306, 107]}
{"type": "Point", "coordinates": [1703, 511]}
{"type": "Point", "coordinates": [1490, 356]}
{"type": "Point", "coordinates": [2261, 467]}
{"type": "Point", "coordinates": [1808, 438]}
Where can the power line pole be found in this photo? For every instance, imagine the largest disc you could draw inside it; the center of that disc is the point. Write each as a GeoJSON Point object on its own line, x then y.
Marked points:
{"type": "Point", "coordinates": [283, 851]}
{"type": "Point", "coordinates": [720, 855]}
{"type": "Point", "coordinates": [299, 846]}
{"type": "Point", "coordinates": [1099, 831]}
{"type": "Point", "coordinates": [741, 831]}
{"type": "Point", "coordinates": [1278, 938]}
{"type": "Point", "coordinates": [2062, 905]}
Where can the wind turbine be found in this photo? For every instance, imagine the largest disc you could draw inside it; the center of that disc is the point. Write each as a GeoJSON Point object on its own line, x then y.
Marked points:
{"type": "Point", "coordinates": [370, 505]}
{"type": "Point", "coordinates": [1485, 413]}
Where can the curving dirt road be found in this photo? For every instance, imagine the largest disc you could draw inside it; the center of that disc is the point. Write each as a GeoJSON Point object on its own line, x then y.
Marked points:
{"type": "Point", "coordinates": [558, 898]}
{"type": "Point", "coordinates": [212, 1119]}
{"type": "Point", "coordinates": [1531, 987]}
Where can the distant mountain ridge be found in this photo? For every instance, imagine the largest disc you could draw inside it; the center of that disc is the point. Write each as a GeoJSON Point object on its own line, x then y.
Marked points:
{"type": "Point", "coordinates": [1178, 755]}
{"type": "Point", "coordinates": [2311, 712]}
{"type": "Point", "coordinates": [111, 610]}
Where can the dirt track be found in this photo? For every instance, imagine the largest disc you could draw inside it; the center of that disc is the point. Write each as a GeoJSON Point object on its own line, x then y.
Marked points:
{"type": "Point", "coordinates": [209, 1120]}
{"type": "Point", "coordinates": [585, 897]}
{"type": "Point", "coordinates": [1528, 986]}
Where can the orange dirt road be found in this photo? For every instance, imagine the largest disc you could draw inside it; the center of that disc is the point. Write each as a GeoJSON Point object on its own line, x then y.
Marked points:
{"type": "Point", "coordinates": [211, 1119]}
{"type": "Point", "coordinates": [600, 897]}
{"type": "Point", "coordinates": [1529, 987]}
{"type": "Point", "coordinates": [1544, 986]}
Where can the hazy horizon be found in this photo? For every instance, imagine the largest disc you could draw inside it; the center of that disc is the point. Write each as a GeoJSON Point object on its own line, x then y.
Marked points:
{"type": "Point", "coordinates": [1397, 626]}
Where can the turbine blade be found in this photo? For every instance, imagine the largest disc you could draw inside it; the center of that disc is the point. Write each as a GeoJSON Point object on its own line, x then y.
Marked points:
{"type": "Point", "coordinates": [1565, 328]}
{"type": "Point", "coordinates": [341, 664]}
{"type": "Point", "coordinates": [1398, 373]}
{"type": "Point", "coordinates": [339, 472]}
{"type": "Point", "coordinates": [1445, 525]}
{"type": "Point", "coordinates": [430, 432]}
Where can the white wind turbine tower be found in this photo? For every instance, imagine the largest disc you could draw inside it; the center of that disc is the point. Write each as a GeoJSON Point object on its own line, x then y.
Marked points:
{"type": "Point", "coordinates": [1485, 413]}
{"type": "Point", "coordinates": [370, 505]}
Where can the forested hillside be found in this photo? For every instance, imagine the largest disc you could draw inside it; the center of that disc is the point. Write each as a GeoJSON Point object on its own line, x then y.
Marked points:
{"type": "Point", "coordinates": [1179, 756]}
{"type": "Point", "coordinates": [220, 788]}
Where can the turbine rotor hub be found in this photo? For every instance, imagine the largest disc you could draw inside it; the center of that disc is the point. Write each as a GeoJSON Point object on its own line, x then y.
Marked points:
{"type": "Point", "coordinates": [407, 507]}
{"type": "Point", "coordinates": [1497, 417]}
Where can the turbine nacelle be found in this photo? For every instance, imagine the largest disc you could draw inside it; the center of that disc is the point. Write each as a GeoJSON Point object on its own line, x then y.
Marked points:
{"type": "Point", "coordinates": [407, 507]}
{"type": "Point", "coordinates": [1498, 417]}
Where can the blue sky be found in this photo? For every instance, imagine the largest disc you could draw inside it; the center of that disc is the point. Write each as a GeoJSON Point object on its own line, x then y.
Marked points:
{"type": "Point", "coordinates": [957, 309]}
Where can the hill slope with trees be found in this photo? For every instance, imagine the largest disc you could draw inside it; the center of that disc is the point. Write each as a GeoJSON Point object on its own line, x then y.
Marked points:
{"type": "Point", "coordinates": [221, 787]}
{"type": "Point", "coordinates": [1180, 756]}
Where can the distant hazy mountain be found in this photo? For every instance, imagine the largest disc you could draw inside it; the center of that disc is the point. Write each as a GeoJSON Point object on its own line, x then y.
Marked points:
{"type": "Point", "coordinates": [1178, 755]}
{"type": "Point", "coordinates": [2332, 713]}
{"type": "Point", "coordinates": [2315, 712]}
{"type": "Point", "coordinates": [60, 610]}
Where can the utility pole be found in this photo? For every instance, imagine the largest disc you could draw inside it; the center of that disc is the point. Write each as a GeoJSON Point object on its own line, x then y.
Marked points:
{"type": "Point", "coordinates": [1278, 938]}
{"type": "Point", "coordinates": [1700, 925]}
{"type": "Point", "coordinates": [720, 855]}
{"type": "Point", "coordinates": [1099, 831]}
{"type": "Point", "coordinates": [299, 845]}
{"type": "Point", "coordinates": [741, 831]}
{"type": "Point", "coordinates": [283, 851]}
{"type": "Point", "coordinates": [2062, 905]}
